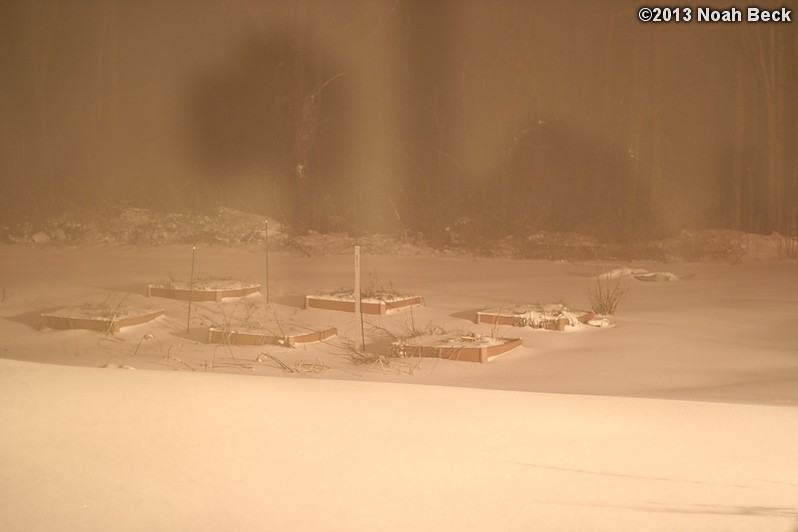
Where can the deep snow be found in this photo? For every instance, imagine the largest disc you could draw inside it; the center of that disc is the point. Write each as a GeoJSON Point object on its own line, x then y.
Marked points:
{"type": "Point", "coordinates": [682, 417]}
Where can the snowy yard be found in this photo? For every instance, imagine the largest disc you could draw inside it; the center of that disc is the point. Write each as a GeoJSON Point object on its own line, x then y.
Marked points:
{"type": "Point", "coordinates": [577, 242]}
{"type": "Point", "coordinates": [680, 417]}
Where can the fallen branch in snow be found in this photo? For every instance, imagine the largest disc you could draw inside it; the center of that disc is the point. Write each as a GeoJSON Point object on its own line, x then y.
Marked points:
{"type": "Point", "coordinates": [181, 363]}
{"type": "Point", "coordinates": [212, 365]}
{"type": "Point", "coordinates": [382, 361]}
{"type": "Point", "coordinates": [266, 356]}
{"type": "Point", "coordinates": [168, 356]}
{"type": "Point", "coordinates": [362, 358]}
{"type": "Point", "coordinates": [148, 336]}
{"type": "Point", "coordinates": [299, 367]}
{"type": "Point", "coordinates": [311, 367]}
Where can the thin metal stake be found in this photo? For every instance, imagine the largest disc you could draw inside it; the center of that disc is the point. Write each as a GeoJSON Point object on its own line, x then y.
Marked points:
{"type": "Point", "coordinates": [191, 288]}
{"type": "Point", "coordinates": [267, 262]}
{"type": "Point", "coordinates": [358, 300]}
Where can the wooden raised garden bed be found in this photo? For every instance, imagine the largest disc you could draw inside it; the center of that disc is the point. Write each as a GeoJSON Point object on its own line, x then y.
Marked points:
{"type": "Point", "coordinates": [345, 303]}
{"type": "Point", "coordinates": [251, 337]}
{"type": "Point", "coordinates": [552, 317]}
{"type": "Point", "coordinates": [466, 348]}
{"type": "Point", "coordinates": [98, 319]}
{"type": "Point", "coordinates": [208, 290]}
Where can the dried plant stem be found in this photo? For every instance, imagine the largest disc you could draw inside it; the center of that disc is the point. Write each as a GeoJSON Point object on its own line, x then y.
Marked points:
{"type": "Point", "coordinates": [181, 363]}
{"type": "Point", "coordinates": [606, 295]}
{"type": "Point", "coordinates": [299, 367]}
{"type": "Point", "coordinates": [148, 336]}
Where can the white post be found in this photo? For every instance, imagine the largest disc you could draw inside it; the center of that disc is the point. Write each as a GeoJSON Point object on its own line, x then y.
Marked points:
{"type": "Point", "coordinates": [358, 313]}
{"type": "Point", "coordinates": [191, 289]}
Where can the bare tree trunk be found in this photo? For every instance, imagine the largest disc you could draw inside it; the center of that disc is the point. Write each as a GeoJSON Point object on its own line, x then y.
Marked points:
{"type": "Point", "coordinates": [44, 24]}
{"type": "Point", "coordinates": [309, 86]}
{"type": "Point", "coordinates": [103, 147]}
{"type": "Point", "coordinates": [655, 186]}
{"type": "Point", "coordinates": [639, 106]}
{"type": "Point", "coordinates": [735, 217]}
{"type": "Point", "coordinates": [304, 120]}
{"type": "Point", "coordinates": [792, 118]}
{"type": "Point", "coordinates": [768, 55]}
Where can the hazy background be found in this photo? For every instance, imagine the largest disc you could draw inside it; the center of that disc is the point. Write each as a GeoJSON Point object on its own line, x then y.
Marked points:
{"type": "Point", "coordinates": [496, 117]}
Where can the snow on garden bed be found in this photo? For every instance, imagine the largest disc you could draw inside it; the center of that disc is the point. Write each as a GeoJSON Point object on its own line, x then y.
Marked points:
{"type": "Point", "coordinates": [638, 273]}
{"type": "Point", "coordinates": [103, 319]}
{"type": "Point", "coordinates": [549, 317]}
{"type": "Point", "coordinates": [468, 347]}
{"type": "Point", "coordinates": [378, 303]}
{"type": "Point", "coordinates": [289, 336]}
{"type": "Point", "coordinates": [209, 289]}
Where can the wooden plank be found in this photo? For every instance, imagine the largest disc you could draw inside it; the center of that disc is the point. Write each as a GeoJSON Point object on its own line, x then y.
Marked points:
{"type": "Point", "coordinates": [181, 294]}
{"type": "Point", "coordinates": [109, 324]}
{"type": "Point", "coordinates": [368, 307]}
{"type": "Point", "coordinates": [482, 354]}
{"type": "Point", "coordinates": [219, 336]}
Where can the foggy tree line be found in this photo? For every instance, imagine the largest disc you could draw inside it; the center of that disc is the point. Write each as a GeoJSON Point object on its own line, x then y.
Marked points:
{"type": "Point", "coordinates": [475, 117]}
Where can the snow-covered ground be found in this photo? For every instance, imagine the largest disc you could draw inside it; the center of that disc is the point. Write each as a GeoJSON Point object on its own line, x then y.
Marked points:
{"type": "Point", "coordinates": [681, 417]}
